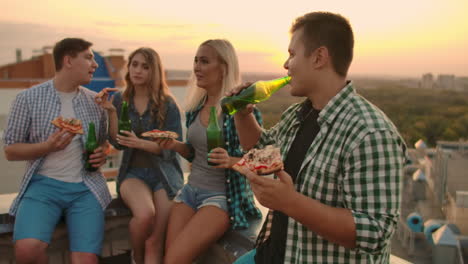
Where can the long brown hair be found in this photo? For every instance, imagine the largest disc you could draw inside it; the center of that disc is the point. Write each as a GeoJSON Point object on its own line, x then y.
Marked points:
{"type": "Point", "coordinates": [158, 89]}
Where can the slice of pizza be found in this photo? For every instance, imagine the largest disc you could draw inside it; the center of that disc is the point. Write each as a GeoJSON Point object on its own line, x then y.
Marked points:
{"type": "Point", "coordinates": [71, 124]}
{"type": "Point", "coordinates": [261, 161]}
{"type": "Point", "coordinates": [155, 133]}
{"type": "Point", "coordinates": [100, 95]}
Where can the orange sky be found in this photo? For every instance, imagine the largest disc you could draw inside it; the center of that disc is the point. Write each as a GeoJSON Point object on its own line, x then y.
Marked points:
{"type": "Point", "coordinates": [397, 38]}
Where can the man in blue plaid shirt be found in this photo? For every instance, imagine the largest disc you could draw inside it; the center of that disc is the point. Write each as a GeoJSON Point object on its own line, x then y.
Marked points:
{"type": "Point", "coordinates": [55, 184]}
{"type": "Point", "coordinates": [338, 198]}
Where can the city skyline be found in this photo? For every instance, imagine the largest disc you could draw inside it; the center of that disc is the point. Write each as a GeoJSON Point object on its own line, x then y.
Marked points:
{"type": "Point", "coordinates": [392, 39]}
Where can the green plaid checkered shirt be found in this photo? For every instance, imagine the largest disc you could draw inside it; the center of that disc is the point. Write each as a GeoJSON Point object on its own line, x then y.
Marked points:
{"type": "Point", "coordinates": [355, 162]}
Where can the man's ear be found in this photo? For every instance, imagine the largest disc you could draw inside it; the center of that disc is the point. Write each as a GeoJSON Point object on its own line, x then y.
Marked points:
{"type": "Point", "coordinates": [322, 57]}
{"type": "Point", "coordinates": [67, 61]}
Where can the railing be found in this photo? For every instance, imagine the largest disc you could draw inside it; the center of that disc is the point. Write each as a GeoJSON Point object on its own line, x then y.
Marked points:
{"type": "Point", "coordinates": [406, 236]}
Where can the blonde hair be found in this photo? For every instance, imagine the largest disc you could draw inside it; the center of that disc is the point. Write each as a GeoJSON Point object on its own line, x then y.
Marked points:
{"type": "Point", "coordinates": [231, 74]}
{"type": "Point", "coordinates": [157, 86]}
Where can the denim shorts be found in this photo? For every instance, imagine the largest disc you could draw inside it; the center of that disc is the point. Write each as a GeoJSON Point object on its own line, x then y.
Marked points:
{"type": "Point", "coordinates": [44, 204]}
{"type": "Point", "coordinates": [197, 198]}
{"type": "Point", "coordinates": [247, 258]}
{"type": "Point", "coordinates": [151, 177]}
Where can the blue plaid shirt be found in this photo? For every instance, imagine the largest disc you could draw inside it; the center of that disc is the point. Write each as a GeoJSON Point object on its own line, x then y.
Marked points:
{"type": "Point", "coordinates": [30, 119]}
{"type": "Point", "coordinates": [238, 192]}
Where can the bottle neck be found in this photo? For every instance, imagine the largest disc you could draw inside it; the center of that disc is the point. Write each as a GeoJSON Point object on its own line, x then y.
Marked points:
{"type": "Point", "coordinates": [213, 118]}
{"type": "Point", "coordinates": [124, 111]}
{"type": "Point", "coordinates": [279, 83]}
{"type": "Point", "coordinates": [91, 132]}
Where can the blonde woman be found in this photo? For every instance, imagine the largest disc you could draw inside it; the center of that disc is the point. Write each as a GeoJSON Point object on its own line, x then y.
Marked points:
{"type": "Point", "coordinates": [149, 177]}
{"type": "Point", "coordinates": [215, 198]}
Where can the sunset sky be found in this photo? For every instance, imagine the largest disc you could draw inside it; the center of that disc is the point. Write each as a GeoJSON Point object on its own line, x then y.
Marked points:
{"type": "Point", "coordinates": [394, 38]}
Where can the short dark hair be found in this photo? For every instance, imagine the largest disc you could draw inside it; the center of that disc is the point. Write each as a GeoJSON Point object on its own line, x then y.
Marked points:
{"type": "Point", "coordinates": [70, 47]}
{"type": "Point", "coordinates": [330, 30]}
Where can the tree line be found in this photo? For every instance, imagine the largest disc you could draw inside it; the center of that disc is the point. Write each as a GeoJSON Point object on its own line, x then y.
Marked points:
{"type": "Point", "coordinates": [426, 114]}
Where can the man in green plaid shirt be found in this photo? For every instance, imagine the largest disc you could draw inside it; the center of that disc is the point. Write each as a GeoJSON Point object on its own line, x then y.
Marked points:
{"type": "Point", "coordinates": [338, 198]}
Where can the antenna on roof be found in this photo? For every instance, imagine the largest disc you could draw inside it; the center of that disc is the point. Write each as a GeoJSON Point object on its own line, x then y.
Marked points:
{"type": "Point", "coordinates": [116, 52]}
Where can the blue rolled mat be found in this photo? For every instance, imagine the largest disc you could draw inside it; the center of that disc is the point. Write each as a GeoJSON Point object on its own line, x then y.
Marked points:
{"type": "Point", "coordinates": [430, 226]}
{"type": "Point", "coordinates": [415, 222]}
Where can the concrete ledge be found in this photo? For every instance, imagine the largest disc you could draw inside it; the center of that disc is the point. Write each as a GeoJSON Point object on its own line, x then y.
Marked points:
{"type": "Point", "coordinates": [116, 239]}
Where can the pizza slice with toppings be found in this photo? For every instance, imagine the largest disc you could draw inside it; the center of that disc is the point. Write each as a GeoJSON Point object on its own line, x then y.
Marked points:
{"type": "Point", "coordinates": [71, 124]}
{"type": "Point", "coordinates": [99, 96]}
{"type": "Point", "coordinates": [155, 133]}
{"type": "Point", "coordinates": [261, 161]}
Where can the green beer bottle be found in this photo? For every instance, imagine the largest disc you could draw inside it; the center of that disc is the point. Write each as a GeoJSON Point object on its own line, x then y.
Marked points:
{"type": "Point", "coordinates": [255, 93]}
{"type": "Point", "coordinates": [90, 146]}
{"type": "Point", "coordinates": [124, 124]}
{"type": "Point", "coordinates": [214, 135]}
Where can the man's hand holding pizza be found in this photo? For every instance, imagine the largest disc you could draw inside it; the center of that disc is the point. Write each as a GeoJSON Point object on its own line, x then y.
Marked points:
{"type": "Point", "coordinates": [277, 194]}
{"type": "Point", "coordinates": [59, 140]}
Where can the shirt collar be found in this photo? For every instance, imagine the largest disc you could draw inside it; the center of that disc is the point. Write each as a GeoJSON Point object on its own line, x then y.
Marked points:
{"type": "Point", "coordinates": [336, 104]}
{"type": "Point", "coordinates": [79, 93]}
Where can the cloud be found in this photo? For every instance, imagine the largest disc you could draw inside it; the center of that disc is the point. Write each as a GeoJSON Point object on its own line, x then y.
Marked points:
{"type": "Point", "coordinates": [176, 47]}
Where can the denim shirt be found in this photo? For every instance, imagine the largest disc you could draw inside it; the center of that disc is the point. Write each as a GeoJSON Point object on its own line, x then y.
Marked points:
{"type": "Point", "coordinates": [239, 195]}
{"type": "Point", "coordinates": [167, 162]}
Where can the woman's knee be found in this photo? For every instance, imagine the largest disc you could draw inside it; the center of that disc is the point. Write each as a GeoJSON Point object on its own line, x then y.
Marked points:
{"type": "Point", "coordinates": [145, 219]}
{"type": "Point", "coordinates": [170, 258]}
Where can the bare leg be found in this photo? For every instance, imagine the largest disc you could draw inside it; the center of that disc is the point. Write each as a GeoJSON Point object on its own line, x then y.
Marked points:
{"type": "Point", "coordinates": [139, 198]}
{"type": "Point", "coordinates": [83, 258]}
{"type": "Point", "coordinates": [203, 229]}
{"type": "Point", "coordinates": [31, 251]}
{"type": "Point", "coordinates": [178, 218]}
{"type": "Point", "coordinates": [154, 247]}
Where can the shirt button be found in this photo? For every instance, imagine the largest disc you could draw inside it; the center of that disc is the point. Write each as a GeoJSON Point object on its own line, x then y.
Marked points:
{"type": "Point", "coordinates": [228, 181]}
{"type": "Point", "coordinates": [229, 200]}
{"type": "Point", "coordinates": [227, 143]}
{"type": "Point", "coordinates": [232, 217]}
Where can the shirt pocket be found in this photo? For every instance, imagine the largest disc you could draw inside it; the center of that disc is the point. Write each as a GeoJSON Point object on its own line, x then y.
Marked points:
{"type": "Point", "coordinates": [322, 180]}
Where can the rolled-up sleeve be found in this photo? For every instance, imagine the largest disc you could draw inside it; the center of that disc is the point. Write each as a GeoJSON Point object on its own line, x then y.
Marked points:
{"type": "Point", "coordinates": [19, 122]}
{"type": "Point", "coordinates": [276, 134]}
{"type": "Point", "coordinates": [172, 123]}
{"type": "Point", "coordinates": [371, 188]}
{"type": "Point", "coordinates": [117, 102]}
{"type": "Point", "coordinates": [103, 127]}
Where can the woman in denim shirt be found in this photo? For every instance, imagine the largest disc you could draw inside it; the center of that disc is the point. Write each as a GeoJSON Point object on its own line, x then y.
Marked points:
{"type": "Point", "coordinates": [149, 176]}
{"type": "Point", "coordinates": [215, 197]}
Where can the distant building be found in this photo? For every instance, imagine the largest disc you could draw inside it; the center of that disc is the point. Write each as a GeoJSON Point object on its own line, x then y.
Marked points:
{"type": "Point", "coordinates": [41, 67]}
{"type": "Point", "coordinates": [461, 84]}
{"type": "Point", "coordinates": [446, 81]}
{"type": "Point", "coordinates": [427, 81]}
{"type": "Point", "coordinates": [451, 182]}
{"type": "Point", "coordinates": [26, 73]}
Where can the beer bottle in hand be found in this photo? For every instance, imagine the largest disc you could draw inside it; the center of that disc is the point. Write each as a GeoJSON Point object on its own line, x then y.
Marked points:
{"type": "Point", "coordinates": [255, 93]}
{"type": "Point", "coordinates": [125, 124]}
{"type": "Point", "coordinates": [214, 135]}
{"type": "Point", "coordinates": [90, 146]}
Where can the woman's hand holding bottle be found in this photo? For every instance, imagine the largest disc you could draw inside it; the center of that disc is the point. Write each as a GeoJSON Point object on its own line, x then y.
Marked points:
{"type": "Point", "coordinates": [221, 157]}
